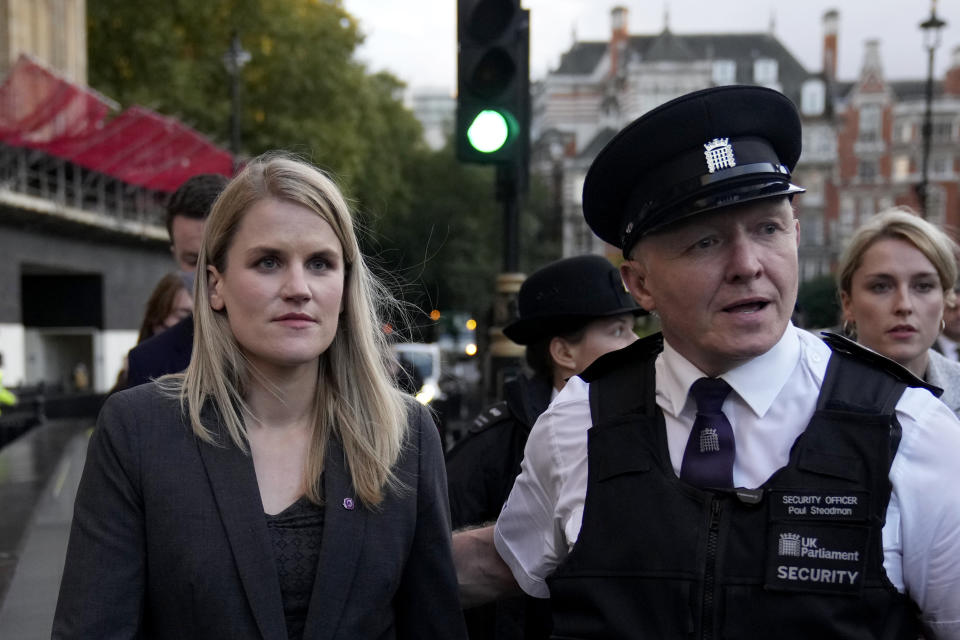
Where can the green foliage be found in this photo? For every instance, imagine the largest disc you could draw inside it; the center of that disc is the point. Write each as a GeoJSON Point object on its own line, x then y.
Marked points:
{"type": "Point", "coordinates": [818, 302]}
{"type": "Point", "coordinates": [432, 224]}
{"type": "Point", "coordinates": [302, 89]}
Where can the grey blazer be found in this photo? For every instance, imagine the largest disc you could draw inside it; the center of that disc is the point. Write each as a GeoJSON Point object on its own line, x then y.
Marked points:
{"type": "Point", "coordinates": [945, 373]}
{"type": "Point", "coordinates": [169, 540]}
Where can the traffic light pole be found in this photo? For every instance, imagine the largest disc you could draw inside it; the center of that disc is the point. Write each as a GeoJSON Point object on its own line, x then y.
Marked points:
{"type": "Point", "coordinates": [506, 357]}
{"type": "Point", "coordinates": [508, 194]}
{"type": "Point", "coordinates": [493, 127]}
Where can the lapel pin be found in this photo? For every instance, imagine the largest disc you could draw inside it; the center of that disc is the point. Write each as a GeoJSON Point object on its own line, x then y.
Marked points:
{"type": "Point", "coordinates": [348, 504]}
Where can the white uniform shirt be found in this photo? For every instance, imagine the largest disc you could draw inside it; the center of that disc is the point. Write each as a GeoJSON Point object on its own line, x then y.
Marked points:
{"type": "Point", "coordinates": [774, 396]}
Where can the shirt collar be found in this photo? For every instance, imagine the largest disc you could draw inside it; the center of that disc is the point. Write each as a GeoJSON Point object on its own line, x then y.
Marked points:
{"type": "Point", "coordinates": [758, 381]}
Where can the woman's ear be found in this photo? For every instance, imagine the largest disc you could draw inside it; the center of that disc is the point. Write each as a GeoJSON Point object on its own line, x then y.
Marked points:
{"type": "Point", "coordinates": [846, 305]}
{"type": "Point", "coordinates": [562, 353]}
{"type": "Point", "coordinates": [214, 280]}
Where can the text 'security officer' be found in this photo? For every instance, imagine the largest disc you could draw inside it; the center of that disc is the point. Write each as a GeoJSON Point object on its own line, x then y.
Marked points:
{"type": "Point", "coordinates": [735, 477]}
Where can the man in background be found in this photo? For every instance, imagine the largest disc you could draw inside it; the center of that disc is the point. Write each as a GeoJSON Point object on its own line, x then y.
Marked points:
{"type": "Point", "coordinates": [187, 211]}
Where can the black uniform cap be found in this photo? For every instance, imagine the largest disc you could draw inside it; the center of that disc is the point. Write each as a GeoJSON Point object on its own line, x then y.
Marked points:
{"type": "Point", "coordinates": [702, 151]}
{"type": "Point", "coordinates": [567, 294]}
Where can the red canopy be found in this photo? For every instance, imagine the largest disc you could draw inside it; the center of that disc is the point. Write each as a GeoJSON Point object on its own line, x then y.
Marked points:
{"type": "Point", "coordinates": [40, 110]}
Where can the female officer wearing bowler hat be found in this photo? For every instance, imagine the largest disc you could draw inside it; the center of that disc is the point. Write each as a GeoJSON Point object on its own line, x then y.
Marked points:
{"type": "Point", "coordinates": [570, 312]}
{"type": "Point", "coordinates": [742, 479]}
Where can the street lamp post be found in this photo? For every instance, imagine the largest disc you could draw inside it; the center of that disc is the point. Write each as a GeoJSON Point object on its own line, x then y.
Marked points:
{"type": "Point", "coordinates": [931, 40]}
{"type": "Point", "coordinates": [234, 60]}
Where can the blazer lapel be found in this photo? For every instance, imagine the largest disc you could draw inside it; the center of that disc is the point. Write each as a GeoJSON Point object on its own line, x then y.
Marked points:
{"type": "Point", "coordinates": [343, 526]}
{"type": "Point", "coordinates": [237, 495]}
{"type": "Point", "coordinates": [942, 373]}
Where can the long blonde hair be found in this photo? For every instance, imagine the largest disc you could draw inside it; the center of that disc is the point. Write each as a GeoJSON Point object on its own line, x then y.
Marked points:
{"type": "Point", "coordinates": [356, 399]}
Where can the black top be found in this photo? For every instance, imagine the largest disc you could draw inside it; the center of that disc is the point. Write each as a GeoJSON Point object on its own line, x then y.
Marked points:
{"type": "Point", "coordinates": [296, 532]}
{"type": "Point", "coordinates": [167, 352]}
{"type": "Point", "coordinates": [481, 469]}
{"type": "Point", "coordinates": [482, 466]}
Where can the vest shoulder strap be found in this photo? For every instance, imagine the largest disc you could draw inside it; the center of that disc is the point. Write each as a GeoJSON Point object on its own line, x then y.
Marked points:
{"type": "Point", "coordinates": [861, 380]}
{"type": "Point", "coordinates": [623, 382]}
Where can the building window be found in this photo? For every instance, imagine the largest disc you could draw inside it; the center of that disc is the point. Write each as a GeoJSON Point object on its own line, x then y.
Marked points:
{"type": "Point", "coordinates": [812, 98]}
{"type": "Point", "coordinates": [765, 71]}
{"type": "Point", "coordinates": [815, 230]}
{"type": "Point", "coordinates": [811, 229]}
{"type": "Point", "coordinates": [901, 168]}
{"type": "Point", "coordinates": [942, 131]}
{"type": "Point", "coordinates": [871, 119]}
{"type": "Point", "coordinates": [941, 166]}
{"type": "Point", "coordinates": [724, 72]}
{"type": "Point", "coordinates": [936, 204]}
{"type": "Point", "coordinates": [905, 131]}
{"type": "Point", "coordinates": [813, 182]}
{"type": "Point", "coordinates": [867, 170]}
{"type": "Point", "coordinates": [848, 210]}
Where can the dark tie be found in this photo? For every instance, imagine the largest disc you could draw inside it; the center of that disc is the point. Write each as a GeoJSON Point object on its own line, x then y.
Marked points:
{"type": "Point", "coordinates": [708, 458]}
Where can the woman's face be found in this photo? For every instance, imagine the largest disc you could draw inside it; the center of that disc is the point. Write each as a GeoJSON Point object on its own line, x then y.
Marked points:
{"type": "Point", "coordinates": [602, 336]}
{"type": "Point", "coordinates": [282, 286]}
{"type": "Point", "coordinates": [182, 307]}
{"type": "Point", "coordinates": [896, 301]}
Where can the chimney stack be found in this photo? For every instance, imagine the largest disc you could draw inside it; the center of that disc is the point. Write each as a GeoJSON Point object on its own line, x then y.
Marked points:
{"type": "Point", "coordinates": [872, 64]}
{"type": "Point", "coordinates": [830, 22]}
{"type": "Point", "coordinates": [951, 83]}
{"type": "Point", "coordinates": [618, 38]}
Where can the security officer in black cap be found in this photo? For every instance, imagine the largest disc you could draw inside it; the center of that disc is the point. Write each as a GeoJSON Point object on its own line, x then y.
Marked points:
{"type": "Point", "coordinates": [734, 477]}
{"type": "Point", "coordinates": [570, 312]}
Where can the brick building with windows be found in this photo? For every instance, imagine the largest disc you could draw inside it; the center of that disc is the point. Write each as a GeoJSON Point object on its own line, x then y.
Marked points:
{"type": "Point", "coordinates": [861, 147]}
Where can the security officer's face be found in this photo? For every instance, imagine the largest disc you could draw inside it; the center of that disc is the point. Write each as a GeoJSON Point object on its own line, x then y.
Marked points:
{"type": "Point", "coordinates": [724, 284]}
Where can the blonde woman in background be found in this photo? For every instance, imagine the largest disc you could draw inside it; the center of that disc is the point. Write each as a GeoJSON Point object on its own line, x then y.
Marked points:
{"type": "Point", "coordinates": [895, 279]}
{"type": "Point", "coordinates": [282, 487]}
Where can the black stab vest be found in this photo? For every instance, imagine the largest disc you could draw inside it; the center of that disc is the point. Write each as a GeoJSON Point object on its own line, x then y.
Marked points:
{"type": "Point", "coordinates": [799, 557]}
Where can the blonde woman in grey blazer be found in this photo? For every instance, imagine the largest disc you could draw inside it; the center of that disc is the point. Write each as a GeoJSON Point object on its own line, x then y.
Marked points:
{"type": "Point", "coordinates": [945, 373]}
{"type": "Point", "coordinates": [895, 279]}
{"type": "Point", "coordinates": [282, 487]}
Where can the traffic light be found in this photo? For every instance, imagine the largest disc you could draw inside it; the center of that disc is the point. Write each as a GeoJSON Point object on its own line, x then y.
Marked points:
{"type": "Point", "coordinates": [493, 81]}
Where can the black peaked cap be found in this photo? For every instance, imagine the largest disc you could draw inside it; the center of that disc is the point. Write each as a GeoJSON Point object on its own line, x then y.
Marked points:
{"type": "Point", "coordinates": [565, 295]}
{"type": "Point", "coordinates": [700, 152]}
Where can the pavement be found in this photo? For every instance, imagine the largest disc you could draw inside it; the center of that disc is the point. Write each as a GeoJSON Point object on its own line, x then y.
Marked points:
{"type": "Point", "coordinates": [39, 475]}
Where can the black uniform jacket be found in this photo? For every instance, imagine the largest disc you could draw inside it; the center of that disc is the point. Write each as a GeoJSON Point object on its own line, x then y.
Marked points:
{"type": "Point", "coordinates": [169, 540]}
{"type": "Point", "coordinates": [481, 467]}
{"type": "Point", "coordinates": [167, 352]}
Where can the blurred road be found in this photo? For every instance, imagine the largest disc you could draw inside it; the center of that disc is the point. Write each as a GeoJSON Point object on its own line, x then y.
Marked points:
{"type": "Point", "coordinates": [39, 474]}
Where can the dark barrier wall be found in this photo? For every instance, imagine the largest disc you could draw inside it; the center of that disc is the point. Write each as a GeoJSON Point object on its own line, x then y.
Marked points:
{"type": "Point", "coordinates": [115, 275]}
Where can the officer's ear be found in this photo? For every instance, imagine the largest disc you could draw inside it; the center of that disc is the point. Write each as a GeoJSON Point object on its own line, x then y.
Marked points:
{"type": "Point", "coordinates": [634, 274]}
{"type": "Point", "coordinates": [562, 354]}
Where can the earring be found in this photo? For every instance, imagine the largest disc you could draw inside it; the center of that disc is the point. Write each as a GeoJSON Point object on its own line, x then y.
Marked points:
{"type": "Point", "coordinates": [943, 324]}
{"type": "Point", "coordinates": [849, 328]}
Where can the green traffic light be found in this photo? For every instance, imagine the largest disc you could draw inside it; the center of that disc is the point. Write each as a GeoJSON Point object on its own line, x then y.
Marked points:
{"type": "Point", "coordinates": [489, 131]}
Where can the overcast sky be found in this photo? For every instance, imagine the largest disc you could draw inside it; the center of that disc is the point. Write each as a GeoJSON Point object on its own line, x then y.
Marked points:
{"type": "Point", "coordinates": [416, 39]}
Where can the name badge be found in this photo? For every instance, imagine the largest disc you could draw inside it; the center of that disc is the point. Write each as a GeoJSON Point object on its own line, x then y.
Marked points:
{"type": "Point", "coordinates": [831, 506]}
{"type": "Point", "coordinates": [822, 558]}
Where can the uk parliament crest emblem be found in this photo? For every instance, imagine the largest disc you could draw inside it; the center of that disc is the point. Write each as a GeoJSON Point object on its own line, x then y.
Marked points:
{"type": "Point", "coordinates": [789, 545]}
{"type": "Point", "coordinates": [709, 440]}
{"type": "Point", "coordinates": [719, 154]}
